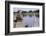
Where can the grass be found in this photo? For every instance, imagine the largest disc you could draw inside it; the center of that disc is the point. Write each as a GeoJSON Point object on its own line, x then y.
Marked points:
{"type": "Point", "coordinates": [30, 14]}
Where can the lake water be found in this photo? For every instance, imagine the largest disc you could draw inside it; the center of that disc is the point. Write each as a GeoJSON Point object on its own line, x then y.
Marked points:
{"type": "Point", "coordinates": [30, 21]}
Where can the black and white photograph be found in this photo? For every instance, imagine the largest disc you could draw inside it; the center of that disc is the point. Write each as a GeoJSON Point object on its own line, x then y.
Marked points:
{"type": "Point", "coordinates": [24, 17]}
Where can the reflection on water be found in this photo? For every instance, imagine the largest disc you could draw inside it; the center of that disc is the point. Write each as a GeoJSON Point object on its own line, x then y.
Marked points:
{"type": "Point", "coordinates": [28, 21]}
{"type": "Point", "coordinates": [31, 21]}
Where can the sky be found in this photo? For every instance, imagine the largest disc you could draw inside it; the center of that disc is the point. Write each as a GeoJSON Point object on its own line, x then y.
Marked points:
{"type": "Point", "coordinates": [24, 9]}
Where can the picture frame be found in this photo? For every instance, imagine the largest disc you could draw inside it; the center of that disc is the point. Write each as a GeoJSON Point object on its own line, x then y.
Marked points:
{"type": "Point", "coordinates": [17, 5]}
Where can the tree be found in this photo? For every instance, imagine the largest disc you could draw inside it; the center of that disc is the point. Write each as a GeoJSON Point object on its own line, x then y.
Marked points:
{"type": "Point", "coordinates": [30, 11]}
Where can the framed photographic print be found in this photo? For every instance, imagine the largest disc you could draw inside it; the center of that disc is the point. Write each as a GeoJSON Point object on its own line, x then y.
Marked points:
{"type": "Point", "coordinates": [24, 17]}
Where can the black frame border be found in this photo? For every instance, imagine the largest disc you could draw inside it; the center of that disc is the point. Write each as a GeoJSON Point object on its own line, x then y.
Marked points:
{"type": "Point", "coordinates": [7, 19]}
